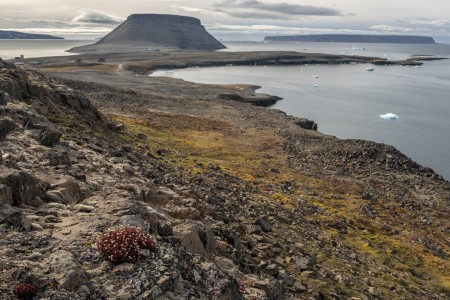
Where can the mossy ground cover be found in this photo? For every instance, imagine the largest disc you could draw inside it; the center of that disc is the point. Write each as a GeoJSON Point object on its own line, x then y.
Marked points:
{"type": "Point", "coordinates": [256, 158]}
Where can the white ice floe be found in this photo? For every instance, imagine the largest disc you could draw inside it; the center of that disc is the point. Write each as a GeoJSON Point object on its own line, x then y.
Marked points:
{"type": "Point", "coordinates": [389, 116]}
{"type": "Point", "coordinates": [316, 85]}
{"type": "Point", "coordinates": [315, 76]}
{"type": "Point", "coordinates": [370, 69]}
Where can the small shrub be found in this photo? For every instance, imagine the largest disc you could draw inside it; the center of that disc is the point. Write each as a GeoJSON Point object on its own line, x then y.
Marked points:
{"type": "Point", "coordinates": [120, 244]}
{"type": "Point", "coordinates": [25, 290]}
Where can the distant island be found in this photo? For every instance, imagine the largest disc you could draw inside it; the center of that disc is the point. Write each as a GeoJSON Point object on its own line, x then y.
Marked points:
{"type": "Point", "coordinates": [16, 35]}
{"type": "Point", "coordinates": [353, 38]}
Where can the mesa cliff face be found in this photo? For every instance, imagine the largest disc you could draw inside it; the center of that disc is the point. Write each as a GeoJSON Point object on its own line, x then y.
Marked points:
{"type": "Point", "coordinates": [158, 30]}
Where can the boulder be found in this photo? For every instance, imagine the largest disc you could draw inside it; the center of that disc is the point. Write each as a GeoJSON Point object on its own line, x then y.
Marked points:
{"type": "Point", "coordinates": [24, 187]}
{"type": "Point", "coordinates": [5, 195]}
{"type": "Point", "coordinates": [49, 135]}
{"type": "Point", "coordinates": [264, 223]}
{"type": "Point", "coordinates": [66, 191]}
{"type": "Point", "coordinates": [66, 270]}
{"type": "Point", "coordinates": [3, 98]}
{"type": "Point", "coordinates": [17, 221]}
{"type": "Point", "coordinates": [306, 124]}
{"type": "Point", "coordinates": [6, 126]}
{"type": "Point", "coordinates": [195, 237]}
{"type": "Point", "coordinates": [186, 235]}
{"type": "Point", "coordinates": [274, 288]}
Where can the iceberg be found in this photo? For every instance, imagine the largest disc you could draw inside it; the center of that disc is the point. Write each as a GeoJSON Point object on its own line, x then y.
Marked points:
{"type": "Point", "coordinates": [389, 116]}
{"type": "Point", "coordinates": [370, 69]}
{"type": "Point", "coordinates": [315, 76]}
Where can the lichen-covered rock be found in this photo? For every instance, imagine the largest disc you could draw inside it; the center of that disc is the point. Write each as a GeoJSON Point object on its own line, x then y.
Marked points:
{"type": "Point", "coordinates": [49, 135]}
{"type": "Point", "coordinates": [24, 186]}
{"type": "Point", "coordinates": [66, 191]}
{"type": "Point", "coordinates": [66, 270]}
{"type": "Point", "coordinates": [16, 221]}
{"type": "Point", "coordinates": [195, 237]}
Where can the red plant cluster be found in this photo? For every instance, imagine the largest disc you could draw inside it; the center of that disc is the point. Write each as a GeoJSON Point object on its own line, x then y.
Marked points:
{"type": "Point", "coordinates": [119, 244]}
{"type": "Point", "coordinates": [25, 290]}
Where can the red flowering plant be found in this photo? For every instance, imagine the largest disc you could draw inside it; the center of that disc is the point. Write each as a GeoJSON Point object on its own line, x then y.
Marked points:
{"type": "Point", "coordinates": [121, 244]}
{"type": "Point", "coordinates": [25, 290]}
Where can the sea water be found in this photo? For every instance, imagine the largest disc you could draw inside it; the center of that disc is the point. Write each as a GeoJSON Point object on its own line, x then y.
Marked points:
{"type": "Point", "coordinates": [346, 100]}
{"type": "Point", "coordinates": [38, 48]}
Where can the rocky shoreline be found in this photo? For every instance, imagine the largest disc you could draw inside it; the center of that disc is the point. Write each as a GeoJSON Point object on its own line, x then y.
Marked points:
{"type": "Point", "coordinates": [243, 202]}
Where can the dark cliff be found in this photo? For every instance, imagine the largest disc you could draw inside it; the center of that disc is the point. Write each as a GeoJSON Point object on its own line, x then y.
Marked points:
{"type": "Point", "coordinates": [353, 38]}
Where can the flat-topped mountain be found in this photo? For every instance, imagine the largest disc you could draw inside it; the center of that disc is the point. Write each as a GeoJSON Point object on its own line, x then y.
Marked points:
{"type": "Point", "coordinates": [156, 31]}
{"type": "Point", "coordinates": [16, 35]}
{"type": "Point", "coordinates": [353, 38]}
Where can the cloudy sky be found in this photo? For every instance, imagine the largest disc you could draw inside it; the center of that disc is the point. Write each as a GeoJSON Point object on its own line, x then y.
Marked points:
{"type": "Point", "coordinates": [235, 19]}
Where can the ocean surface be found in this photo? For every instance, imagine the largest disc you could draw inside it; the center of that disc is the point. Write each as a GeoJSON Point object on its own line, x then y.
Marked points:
{"type": "Point", "coordinates": [38, 48]}
{"type": "Point", "coordinates": [345, 100]}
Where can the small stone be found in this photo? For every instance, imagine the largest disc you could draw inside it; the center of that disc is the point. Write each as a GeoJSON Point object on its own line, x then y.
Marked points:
{"type": "Point", "coordinates": [165, 228]}
{"type": "Point", "coordinates": [123, 268]}
{"type": "Point", "coordinates": [36, 227]}
{"type": "Point", "coordinates": [264, 223]}
{"type": "Point", "coordinates": [300, 288]}
{"type": "Point", "coordinates": [272, 270]}
{"type": "Point", "coordinates": [84, 208]}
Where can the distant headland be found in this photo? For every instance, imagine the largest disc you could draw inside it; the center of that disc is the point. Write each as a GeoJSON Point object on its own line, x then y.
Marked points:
{"type": "Point", "coordinates": [353, 38]}
{"type": "Point", "coordinates": [155, 31]}
{"type": "Point", "coordinates": [16, 35]}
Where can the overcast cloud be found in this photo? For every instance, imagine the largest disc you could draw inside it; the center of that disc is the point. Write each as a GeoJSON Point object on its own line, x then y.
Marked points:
{"type": "Point", "coordinates": [260, 10]}
{"type": "Point", "coordinates": [237, 19]}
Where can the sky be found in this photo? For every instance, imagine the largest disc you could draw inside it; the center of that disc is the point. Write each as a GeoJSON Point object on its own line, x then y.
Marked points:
{"type": "Point", "coordinates": [234, 19]}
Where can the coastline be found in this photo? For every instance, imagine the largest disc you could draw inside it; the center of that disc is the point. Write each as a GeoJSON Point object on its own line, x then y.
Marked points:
{"type": "Point", "coordinates": [283, 210]}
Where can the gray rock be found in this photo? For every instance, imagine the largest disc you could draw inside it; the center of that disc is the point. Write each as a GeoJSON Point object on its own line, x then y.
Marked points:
{"type": "Point", "coordinates": [264, 223]}
{"type": "Point", "coordinates": [84, 208]}
{"type": "Point", "coordinates": [17, 221]}
{"type": "Point", "coordinates": [66, 270]}
{"type": "Point", "coordinates": [49, 135]}
{"type": "Point", "coordinates": [187, 236]}
{"type": "Point", "coordinates": [3, 99]}
{"type": "Point", "coordinates": [5, 195]}
{"type": "Point", "coordinates": [54, 196]}
{"type": "Point", "coordinates": [165, 228]}
{"type": "Point", "coordinates": [306, 263]}
{"type": "Point", "coordinates": [274, 288]}
{"type": "Point", "coordinates": [306, 124]}
{"type": "Point", "coordinates": [6, 126]}
{"type": "Point", "coordinates": [272, 270]}
{"type": "Point", "coordinates": [66, 191]}
{"type": "Point", "coordinates": [24, 187]}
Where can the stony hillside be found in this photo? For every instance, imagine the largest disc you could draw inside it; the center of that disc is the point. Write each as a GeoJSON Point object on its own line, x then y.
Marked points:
{"type": "Point", "coordinates": [242, 202]}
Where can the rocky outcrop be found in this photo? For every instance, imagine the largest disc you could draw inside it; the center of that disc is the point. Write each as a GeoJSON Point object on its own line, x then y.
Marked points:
{"type": "Point", "coordinates": [157, 31]}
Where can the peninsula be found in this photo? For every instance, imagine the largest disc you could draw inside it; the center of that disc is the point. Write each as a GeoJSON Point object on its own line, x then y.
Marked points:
{"type": "Point", "coordinates": [352, 38]}
{"type": "Point", "coordinates": [16, 35]}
